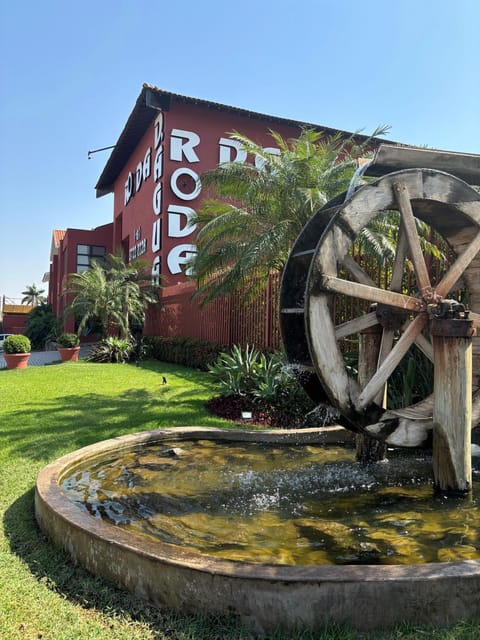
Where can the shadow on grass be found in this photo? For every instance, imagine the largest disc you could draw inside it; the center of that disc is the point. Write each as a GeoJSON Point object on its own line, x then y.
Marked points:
{"type": "Point", "coordinates": [53, 568]}
{"type": "Point", "coordinates": [49, 428]}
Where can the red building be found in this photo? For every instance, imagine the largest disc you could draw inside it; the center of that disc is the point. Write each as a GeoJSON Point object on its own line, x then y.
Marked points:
{"type": "Point", "coordinates": [14, 317]}
{"type": "Point", "coordinates": [72, 251]}
{"type": "Point", "coordinates": [154, 173]}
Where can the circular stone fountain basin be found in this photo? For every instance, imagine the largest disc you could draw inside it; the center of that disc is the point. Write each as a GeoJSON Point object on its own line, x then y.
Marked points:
{"type": "Point", "coordinates": [264, 595]}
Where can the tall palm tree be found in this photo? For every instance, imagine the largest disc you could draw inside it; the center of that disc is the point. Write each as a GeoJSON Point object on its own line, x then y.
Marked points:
{"type": "Point", "coordinates": [33, 296]}
{"type": "Point", "coordinates": [248, 230]}
{"type": "Point", "coordinates": [114, 295]}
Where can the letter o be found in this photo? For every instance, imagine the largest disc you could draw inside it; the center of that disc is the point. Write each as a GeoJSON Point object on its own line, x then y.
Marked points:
{"type": "Point", "coordinates": [185, 171]}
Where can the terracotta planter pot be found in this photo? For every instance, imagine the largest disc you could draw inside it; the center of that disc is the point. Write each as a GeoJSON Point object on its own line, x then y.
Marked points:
{"type": "Point", "coordinates": [69, 354]}
{"type": "Point", "coordinates": [16, 360]}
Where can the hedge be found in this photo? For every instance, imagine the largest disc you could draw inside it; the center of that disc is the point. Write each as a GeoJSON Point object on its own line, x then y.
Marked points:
{"type": "Point", "coordinates": [189, 352]}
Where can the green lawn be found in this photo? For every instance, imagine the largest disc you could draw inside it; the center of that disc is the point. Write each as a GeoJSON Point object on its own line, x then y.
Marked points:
{"type": "Point", "coordinates": [46, 412]}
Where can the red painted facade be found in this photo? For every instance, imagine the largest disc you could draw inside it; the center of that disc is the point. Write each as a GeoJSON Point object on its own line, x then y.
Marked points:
{"type": "Point", "coordinates": [14, 318]}
{"type": "Point", "coordinates": [154, 173]}
{"type": "Point", "coordinates": [64, 260]}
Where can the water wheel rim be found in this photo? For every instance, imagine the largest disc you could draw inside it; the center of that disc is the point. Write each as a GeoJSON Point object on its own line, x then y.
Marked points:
{"type": "Point", "coordinates": [452, 208]}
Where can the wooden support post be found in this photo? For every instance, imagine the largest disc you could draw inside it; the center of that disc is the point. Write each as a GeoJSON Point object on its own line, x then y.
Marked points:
{"type": "Point", "coordinates": [452, 413]}
{"type": "Point", "coordinates": [368, 449]}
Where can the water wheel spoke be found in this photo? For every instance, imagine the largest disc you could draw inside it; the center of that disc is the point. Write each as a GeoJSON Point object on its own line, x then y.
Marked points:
{"type": "Point", "coordinates": [408, 220]}
{"type": "Point", "coordinates": [421, 342]}
{"type": "Point", "coordinates": [357, 272]}
{"type": "Point", "coordinates": [391, 361]}
{"type": "Point", "coordinates": [425, 346]}
{"type": "Point", "coordinates": [399, 260]}
{"type": "Point", "coordinates": [386, 345]}
{"type": "Point", "coordinates": [357, 324]}
{"type": "Point", "coordinates": [372, 294]}
{"type": "Point", "coordinates": [448, 281]}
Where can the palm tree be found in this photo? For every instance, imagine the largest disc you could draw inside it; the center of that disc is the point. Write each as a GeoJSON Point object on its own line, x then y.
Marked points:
{"type": "Point", "coordinates": [33, 296]}
{"type": "Point", "coordinates": [247, 232]}
{"type": "Point", "coordinates": [133, 288]}
{"type": "Point", "coordinates": [114, 295]}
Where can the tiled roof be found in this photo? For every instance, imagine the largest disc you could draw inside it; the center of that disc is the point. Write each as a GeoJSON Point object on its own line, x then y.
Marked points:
{"type": "Point", "coordinates": [57, 237]}
{"type": "Point", "coordinates": [17, 308]}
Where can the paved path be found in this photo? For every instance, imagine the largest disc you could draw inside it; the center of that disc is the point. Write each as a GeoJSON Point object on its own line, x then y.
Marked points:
{"type": "Point", "coordinates": [40, 358]}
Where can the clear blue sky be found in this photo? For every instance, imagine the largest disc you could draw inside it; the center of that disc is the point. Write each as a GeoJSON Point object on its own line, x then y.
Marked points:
{"type": "Point", "coordinates": [71, 72]}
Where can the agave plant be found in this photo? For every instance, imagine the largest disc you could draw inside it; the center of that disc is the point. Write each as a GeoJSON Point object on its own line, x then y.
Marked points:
{"type": "Point", "coordinates": [111, 349]}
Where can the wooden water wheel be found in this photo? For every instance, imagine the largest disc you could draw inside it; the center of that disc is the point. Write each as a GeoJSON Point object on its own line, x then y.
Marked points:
{"type": "Point", "coordinates": [321, 268]}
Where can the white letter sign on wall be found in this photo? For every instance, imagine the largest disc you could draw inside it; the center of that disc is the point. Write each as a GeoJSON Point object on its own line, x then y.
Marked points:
{"type": "Point", "coordinates": [128, 188]}
{"type": "Point", "coordinates": [156, 270]}
{"type": "Point", "coordinates": [138, 176]}
{"type": "Point", "coordinates": [226, 146]}
{"type": "Point", "coordinates": [178, 227]}
{"type": "Point", "coordinates": [182, 144]}
{"type": "Point", "coordinates": [158, 130]}
{"type": "Point", "coordinates": [158, 165]}
{"type": "Point", "coordinates": [157, 199]}
{"type": "Point", "coordinates": [180, 254]}
{"type": "Point", "coordinates": [185, 171]}
{"type": "Point", "coordinates": [147, 163]}
{"type": "Point", "coordinates": [157, 235]}
{"type": "Point", "coordinates": [260, 162]}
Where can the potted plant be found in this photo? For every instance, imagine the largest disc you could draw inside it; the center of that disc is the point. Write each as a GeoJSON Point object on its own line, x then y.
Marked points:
{"type": "Point", "coordinates": [68, 347]}
{"type": "Point", "coordinates": [16, 350]}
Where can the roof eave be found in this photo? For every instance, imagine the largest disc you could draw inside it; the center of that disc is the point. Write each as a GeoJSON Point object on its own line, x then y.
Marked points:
{"type": "Point", "coordinates": [149, 102]}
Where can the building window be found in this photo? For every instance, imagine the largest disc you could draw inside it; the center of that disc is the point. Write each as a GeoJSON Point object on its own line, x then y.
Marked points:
{"type": "Point", "coordinates": [86, 253]}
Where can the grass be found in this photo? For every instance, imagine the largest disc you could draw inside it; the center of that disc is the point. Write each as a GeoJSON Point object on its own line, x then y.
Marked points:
{"type": "Point", "coordinates": [46, 412]}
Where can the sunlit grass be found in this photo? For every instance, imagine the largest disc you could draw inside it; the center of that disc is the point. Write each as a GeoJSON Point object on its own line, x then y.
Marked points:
{"type": "Point", "coordinates": [48, 411]}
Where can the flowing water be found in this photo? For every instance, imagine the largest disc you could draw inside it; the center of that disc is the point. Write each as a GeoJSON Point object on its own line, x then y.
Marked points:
{"type": "Point", "coordinates": [282, 504]}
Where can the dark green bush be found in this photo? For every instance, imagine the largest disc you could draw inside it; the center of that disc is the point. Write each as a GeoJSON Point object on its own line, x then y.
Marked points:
{"type": "Point", "coordinates": [42, 326]}
{"type": "Point", "coordinates": [17, 344]}
{"type": "Point", "coordinates": [68, 340]}
{"type": "Point", "coordinates": [189, 352]}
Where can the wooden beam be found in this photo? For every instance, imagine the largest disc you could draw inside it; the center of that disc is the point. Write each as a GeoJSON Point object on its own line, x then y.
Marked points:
{"type": "Point", "coordinates": [391, 361]}
{"type": "Point", "coordinates": [448, 281]}
{"type": "Point", "coordinates": [416, 253]}
{"type": "Point", "coordinates": [356, 325]}
{"type": "Point", "coordinates": [389, 158]}
{"type": "Point", "coordinates": [372, 294]}
{"type": "Point", "coordinates": [452, 413]}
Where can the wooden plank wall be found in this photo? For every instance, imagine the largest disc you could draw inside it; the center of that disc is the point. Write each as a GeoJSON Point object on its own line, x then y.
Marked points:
{"type": "Point", "coordinates": [226, 320]}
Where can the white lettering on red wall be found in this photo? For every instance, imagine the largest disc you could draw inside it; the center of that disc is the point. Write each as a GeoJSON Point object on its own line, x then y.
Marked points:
{"type": "Point", "coordinates": [231, 151]}
{"type": "Point", "coordinates": [184, 184]}
{"type": "Point", "coordinates": [182, 143]}
{"type": "Point", "coordinates": [135, 179]}
{"type": "Point", "coordinates": [140, 246]}
{"type": "Point", "coordinates": [181, 254]}
{"type": "Point", "coordinates": [179, 221]}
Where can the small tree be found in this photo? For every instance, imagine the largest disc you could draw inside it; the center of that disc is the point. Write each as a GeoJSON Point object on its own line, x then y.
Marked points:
{"type": "Point", "coordinates": [42, 325]}
{"type": "Point", "coordinates": [114, 295]}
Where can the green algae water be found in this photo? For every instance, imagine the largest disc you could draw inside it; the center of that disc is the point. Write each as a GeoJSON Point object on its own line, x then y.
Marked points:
{"type": "Point", "coordinates": [282, 504]}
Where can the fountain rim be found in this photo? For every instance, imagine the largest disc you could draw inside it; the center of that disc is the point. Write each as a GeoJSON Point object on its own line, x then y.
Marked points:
{"type": "Point", "coordinates": [50, 497]}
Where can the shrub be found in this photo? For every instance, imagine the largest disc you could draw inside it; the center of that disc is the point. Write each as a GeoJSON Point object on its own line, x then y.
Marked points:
{"type": "Point", "coordinates": [17, 344]}
{"type": "Point", "coordinates": [68, 340]}
{"type": "Point", "coordinates": [189, 352]}
{"type": "Point", "coordinates": [111, 349]}
{"type": "Point", "coordinates": [42, 326]}
{"type": "Point", "coordinates": [242, 371]}
{"type": "Point", "coordinates": [265, 382]}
